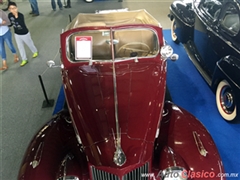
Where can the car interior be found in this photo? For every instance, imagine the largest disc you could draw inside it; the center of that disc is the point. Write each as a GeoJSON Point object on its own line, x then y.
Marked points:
{"type": "Point", "coordinates": [127, 43]}
{"type": "Point", "coordinates": [231, 22]}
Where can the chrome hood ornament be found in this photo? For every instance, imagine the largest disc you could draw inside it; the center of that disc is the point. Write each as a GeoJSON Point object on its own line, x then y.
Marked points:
{"type": "Point", "coordinates": [119, 157]}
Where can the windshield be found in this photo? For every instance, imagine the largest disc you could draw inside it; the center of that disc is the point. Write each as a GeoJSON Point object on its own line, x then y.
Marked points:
{"type": "Point", "coordinates": [212, 8]}
{"type": "Point", "coordinates": [127, 43]}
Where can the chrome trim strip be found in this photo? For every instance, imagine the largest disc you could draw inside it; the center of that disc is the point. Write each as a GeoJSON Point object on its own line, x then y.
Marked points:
{"type": "Point", "coordinates": [37, 156]}
{"type": "Point", "coordinates": [68, 178]}
{"type": "Point", "coordinates": [119, 157]}
{"type": "Point", "coordinates": [199, 144]}
{"type": "Point", "coordinates": [172, 155]}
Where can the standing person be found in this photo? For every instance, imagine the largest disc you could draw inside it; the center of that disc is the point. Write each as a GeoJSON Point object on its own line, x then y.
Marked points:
{"type": "Point", "coordinates": [22, 35]}
{"type": "Point", "coordinates": [6, 36]}
{"type": "Point", "coordinates": [68, 4]}
{"type": "Point", "coordinates": [54, 4]}
{"type": "Point", "coordinates": [34, 6]}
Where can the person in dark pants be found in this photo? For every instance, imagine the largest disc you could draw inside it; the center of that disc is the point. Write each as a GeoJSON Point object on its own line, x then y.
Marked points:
{"type": "Point", "coordinates": [53, 3]}
{"type": "Point", "coordinates": [34, 6]}
{"type": "Point", "coordinates": [68, 4]}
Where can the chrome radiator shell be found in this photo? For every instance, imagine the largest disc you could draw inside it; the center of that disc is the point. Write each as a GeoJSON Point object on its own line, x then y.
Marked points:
{"type": "Point", "coordinates": [135, 174]}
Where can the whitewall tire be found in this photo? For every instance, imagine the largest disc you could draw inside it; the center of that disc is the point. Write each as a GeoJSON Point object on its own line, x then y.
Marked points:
{"type": "Point", "coordinates": [173, 34]}
{"type": "Point", "coordinates": [226, 103]}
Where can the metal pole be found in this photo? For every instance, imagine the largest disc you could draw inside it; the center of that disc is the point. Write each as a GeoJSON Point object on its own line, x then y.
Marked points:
{"type": "Point", "coordinates": [46, 103]}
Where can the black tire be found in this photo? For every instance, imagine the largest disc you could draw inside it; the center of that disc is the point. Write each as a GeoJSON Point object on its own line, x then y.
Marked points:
{"type": "Point", "coordinates": [226, 103]}
{"type": "Point", "coordinates": [168, 95]}
{"type": "Point", "coordinates": [173, 34]}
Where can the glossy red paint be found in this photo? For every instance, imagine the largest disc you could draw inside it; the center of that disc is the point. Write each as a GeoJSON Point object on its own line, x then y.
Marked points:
{"type": "Point", "coordinates": [81, 141]}
{"type": "Point", "coordinates": [177, 131]}
{"type": "Point", "coordinates": [54, 152]}
{"type": "Point", "coordinates": [90, 94]}
{"type": "Point", "coordinates": [48, 149]}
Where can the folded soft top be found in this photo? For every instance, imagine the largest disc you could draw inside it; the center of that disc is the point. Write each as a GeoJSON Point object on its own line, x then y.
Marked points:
{"type": "Point", "coordinates": [113, 19]}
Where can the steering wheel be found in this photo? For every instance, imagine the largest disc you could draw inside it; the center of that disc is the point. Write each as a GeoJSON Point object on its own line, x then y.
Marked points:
{"type": "Point", "coordinates": [133, 49]}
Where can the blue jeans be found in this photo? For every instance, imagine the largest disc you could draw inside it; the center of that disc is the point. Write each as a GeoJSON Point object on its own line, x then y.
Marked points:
{"type": "Point", "coordinates": [7, 37]}
{"type": "Point", "coordinates": [34, 6]}
{"type": "Point", "coordinates": [54, 4]}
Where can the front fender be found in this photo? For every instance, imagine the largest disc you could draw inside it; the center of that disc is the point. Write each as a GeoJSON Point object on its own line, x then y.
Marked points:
{"type": "Point", "coordinates": [191, 144]}
{"type": "Point", "coordinates": [184, 18]}
{"type": "Point", "coordinates": [48, 148]}
{"type": "Point", "coordinates": [183, 11]}
{"type": "Point", "coordinates": [229, 68]}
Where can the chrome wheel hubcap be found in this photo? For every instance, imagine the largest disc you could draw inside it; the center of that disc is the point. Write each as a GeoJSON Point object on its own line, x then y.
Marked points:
{"type": "Point", "coordinates": [227, 100]}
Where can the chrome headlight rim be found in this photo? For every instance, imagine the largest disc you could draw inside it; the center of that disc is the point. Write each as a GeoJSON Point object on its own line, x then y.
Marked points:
{"type": "Point", "coordinates": [174, 172]}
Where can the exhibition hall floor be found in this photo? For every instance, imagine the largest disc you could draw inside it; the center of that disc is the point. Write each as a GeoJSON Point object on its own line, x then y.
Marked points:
{"type": "Point", "coordinates": [21, 112]}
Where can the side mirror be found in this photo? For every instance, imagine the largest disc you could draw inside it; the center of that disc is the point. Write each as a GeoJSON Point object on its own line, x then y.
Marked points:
{"type": "Point", "coordinates": [167, 52]}
{"type": "Point", "coordinates": [51, 64]}
{"type": "Point", "coordinates": [174, 57]}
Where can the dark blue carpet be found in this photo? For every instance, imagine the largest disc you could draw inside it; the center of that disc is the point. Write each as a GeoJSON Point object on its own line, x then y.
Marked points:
{"type": "Point", "coordinates": [189, 90]}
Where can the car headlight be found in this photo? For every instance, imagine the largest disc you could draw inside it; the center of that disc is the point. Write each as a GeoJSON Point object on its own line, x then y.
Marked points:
{"type": "Point", "coordinates": [174, 173]}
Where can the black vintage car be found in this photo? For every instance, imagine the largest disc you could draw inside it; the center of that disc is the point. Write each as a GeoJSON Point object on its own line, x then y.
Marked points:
{"type": "Point", "coordinates": [210, 33]}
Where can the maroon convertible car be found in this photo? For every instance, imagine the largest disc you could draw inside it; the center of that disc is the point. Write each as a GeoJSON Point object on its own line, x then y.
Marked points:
{"type": "Point", "coordinates": [117, 124]}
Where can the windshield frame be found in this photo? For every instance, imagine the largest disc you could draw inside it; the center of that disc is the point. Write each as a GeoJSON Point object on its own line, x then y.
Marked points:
{"type": "Point", "coordinates": [68, 34]}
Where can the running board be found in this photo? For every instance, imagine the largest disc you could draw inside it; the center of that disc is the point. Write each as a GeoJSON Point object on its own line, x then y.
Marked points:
{"type": "Point", "coordinates": [197, 65]}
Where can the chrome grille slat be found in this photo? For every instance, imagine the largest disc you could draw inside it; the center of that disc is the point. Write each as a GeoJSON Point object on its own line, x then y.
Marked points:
{"type": "Point", "coordinates": [102, 175]}
{"type": "Point", "coordinates": [136, 174]}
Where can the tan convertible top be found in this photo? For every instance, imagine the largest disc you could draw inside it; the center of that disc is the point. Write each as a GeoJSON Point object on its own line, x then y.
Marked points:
{"type": "Point", "coordinates": [113, 19]}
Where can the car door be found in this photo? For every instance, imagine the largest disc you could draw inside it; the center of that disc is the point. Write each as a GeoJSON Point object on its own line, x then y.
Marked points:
{"type": "Point", "coordinates": [207, 15]}
{"type": "Point", "coordinates": [226, 40]}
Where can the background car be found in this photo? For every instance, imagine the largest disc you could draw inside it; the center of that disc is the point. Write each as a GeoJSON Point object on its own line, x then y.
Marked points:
{"type": "Point", "coordinates": [210, 32]}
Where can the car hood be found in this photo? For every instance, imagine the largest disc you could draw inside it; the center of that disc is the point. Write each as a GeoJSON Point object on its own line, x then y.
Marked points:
{"type": "Point", "coordinates": [140, 90]}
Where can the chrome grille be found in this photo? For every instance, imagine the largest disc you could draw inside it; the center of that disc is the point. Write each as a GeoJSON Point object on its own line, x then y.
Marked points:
{"type": "Point", "coordinates": [102, 175]}
{"type": "Point", "coordinates": [137, 173]}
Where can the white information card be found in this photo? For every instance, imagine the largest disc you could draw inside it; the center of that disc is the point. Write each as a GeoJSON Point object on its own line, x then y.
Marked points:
{"type": "Point", "coordinates": [83, 47]}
